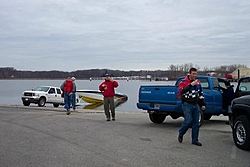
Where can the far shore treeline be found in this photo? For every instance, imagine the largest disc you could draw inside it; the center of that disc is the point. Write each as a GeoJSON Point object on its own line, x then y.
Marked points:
{"type": "Point", "coordinates": [172, 72]}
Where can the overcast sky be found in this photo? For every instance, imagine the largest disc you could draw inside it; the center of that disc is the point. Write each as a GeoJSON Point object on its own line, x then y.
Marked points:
{"type": "Point", "coordinates": [71, 35]}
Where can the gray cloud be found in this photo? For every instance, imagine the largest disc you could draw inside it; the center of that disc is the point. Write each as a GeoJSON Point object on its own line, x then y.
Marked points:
{"type": "Point", "coordinates": [128, 35]}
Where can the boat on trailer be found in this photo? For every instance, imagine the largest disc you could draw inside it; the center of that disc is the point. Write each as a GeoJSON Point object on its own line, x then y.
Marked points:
{"type": "Point", "coordinates": [96, 97]}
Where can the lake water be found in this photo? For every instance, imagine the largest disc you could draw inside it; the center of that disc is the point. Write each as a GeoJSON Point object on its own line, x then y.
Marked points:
{"type": "Point", "coordinates": [11, 90]}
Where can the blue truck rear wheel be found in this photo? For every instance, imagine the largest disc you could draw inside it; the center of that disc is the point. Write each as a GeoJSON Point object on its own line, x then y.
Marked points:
{"type": "Point", "coordinates": [157, 118]}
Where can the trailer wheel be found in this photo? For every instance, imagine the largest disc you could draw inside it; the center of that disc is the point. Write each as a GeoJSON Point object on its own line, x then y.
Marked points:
{"type": "Point", "coordinates": [55, 105]}
{"type": "Point", "coordinates": [157, 118]}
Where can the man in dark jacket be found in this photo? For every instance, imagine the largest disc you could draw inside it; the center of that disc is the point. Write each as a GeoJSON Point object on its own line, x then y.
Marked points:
{"type": "Point", "coordinates": [193, 100]}
{"type": "Point", "coordinates": [108, 90]}
{"type": "Point", "coordinates": [227, 94]}
{"type": "Point", "coordinates": [73, 96]}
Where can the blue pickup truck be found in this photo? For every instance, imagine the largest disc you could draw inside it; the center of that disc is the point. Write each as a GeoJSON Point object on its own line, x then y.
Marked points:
{"type": "Point", "coordinates": [161, 100]}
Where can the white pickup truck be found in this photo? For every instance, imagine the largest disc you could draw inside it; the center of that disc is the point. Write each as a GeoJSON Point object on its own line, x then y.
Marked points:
{"type": "Point", "coordinates": [42, 95]}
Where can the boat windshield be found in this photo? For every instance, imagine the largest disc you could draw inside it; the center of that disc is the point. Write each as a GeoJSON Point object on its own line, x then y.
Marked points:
{"type": "Point", "coordinates": [41, 88]}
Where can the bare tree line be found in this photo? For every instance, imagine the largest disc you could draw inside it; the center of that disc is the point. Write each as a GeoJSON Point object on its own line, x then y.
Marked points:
{"type": "Point", "coordinates": [173, 72]}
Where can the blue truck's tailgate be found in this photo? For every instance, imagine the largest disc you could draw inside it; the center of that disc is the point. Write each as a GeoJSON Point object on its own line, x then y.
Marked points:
{"type": "Point", "coordinates": [158, 98]}
{"type": "Point", "coordinates": [158, 94]}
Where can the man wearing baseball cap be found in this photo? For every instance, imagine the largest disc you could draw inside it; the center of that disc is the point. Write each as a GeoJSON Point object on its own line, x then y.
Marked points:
{"type": "Point", "coordinates": [108, 90]}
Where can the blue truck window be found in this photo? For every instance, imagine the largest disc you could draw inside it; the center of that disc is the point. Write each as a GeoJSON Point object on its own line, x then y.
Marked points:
{"type": "Point", "coordinates": [204, 83]}
{"type": "Point", "coordinates": [215, 83]}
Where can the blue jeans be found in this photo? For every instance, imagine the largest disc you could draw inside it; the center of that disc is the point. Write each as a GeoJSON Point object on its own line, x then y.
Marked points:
{"type": "Point", "coordinates": [191, 118]}
{"type": "Point", "coordinates": [67, 99]}
{"type": "Point", "coordinates": [73, 101]}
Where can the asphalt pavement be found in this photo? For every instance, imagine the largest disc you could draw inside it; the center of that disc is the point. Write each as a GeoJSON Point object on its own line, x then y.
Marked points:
{"type": "Point", "coordinates": [47, 137]}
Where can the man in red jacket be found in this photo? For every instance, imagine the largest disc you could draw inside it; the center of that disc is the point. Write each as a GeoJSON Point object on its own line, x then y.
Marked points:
{"type": "Point", "coordinates": [108, 90]}
{"type": "Point", "coordinates": [67, 87]}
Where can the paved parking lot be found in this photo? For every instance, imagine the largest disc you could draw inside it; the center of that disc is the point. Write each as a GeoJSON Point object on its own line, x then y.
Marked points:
{"type": "Point", "coordinates": [31, 136]}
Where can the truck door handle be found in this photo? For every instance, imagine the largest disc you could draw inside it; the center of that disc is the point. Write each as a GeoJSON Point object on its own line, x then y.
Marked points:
{"type": "Point", "coordinates": [157, 88]}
